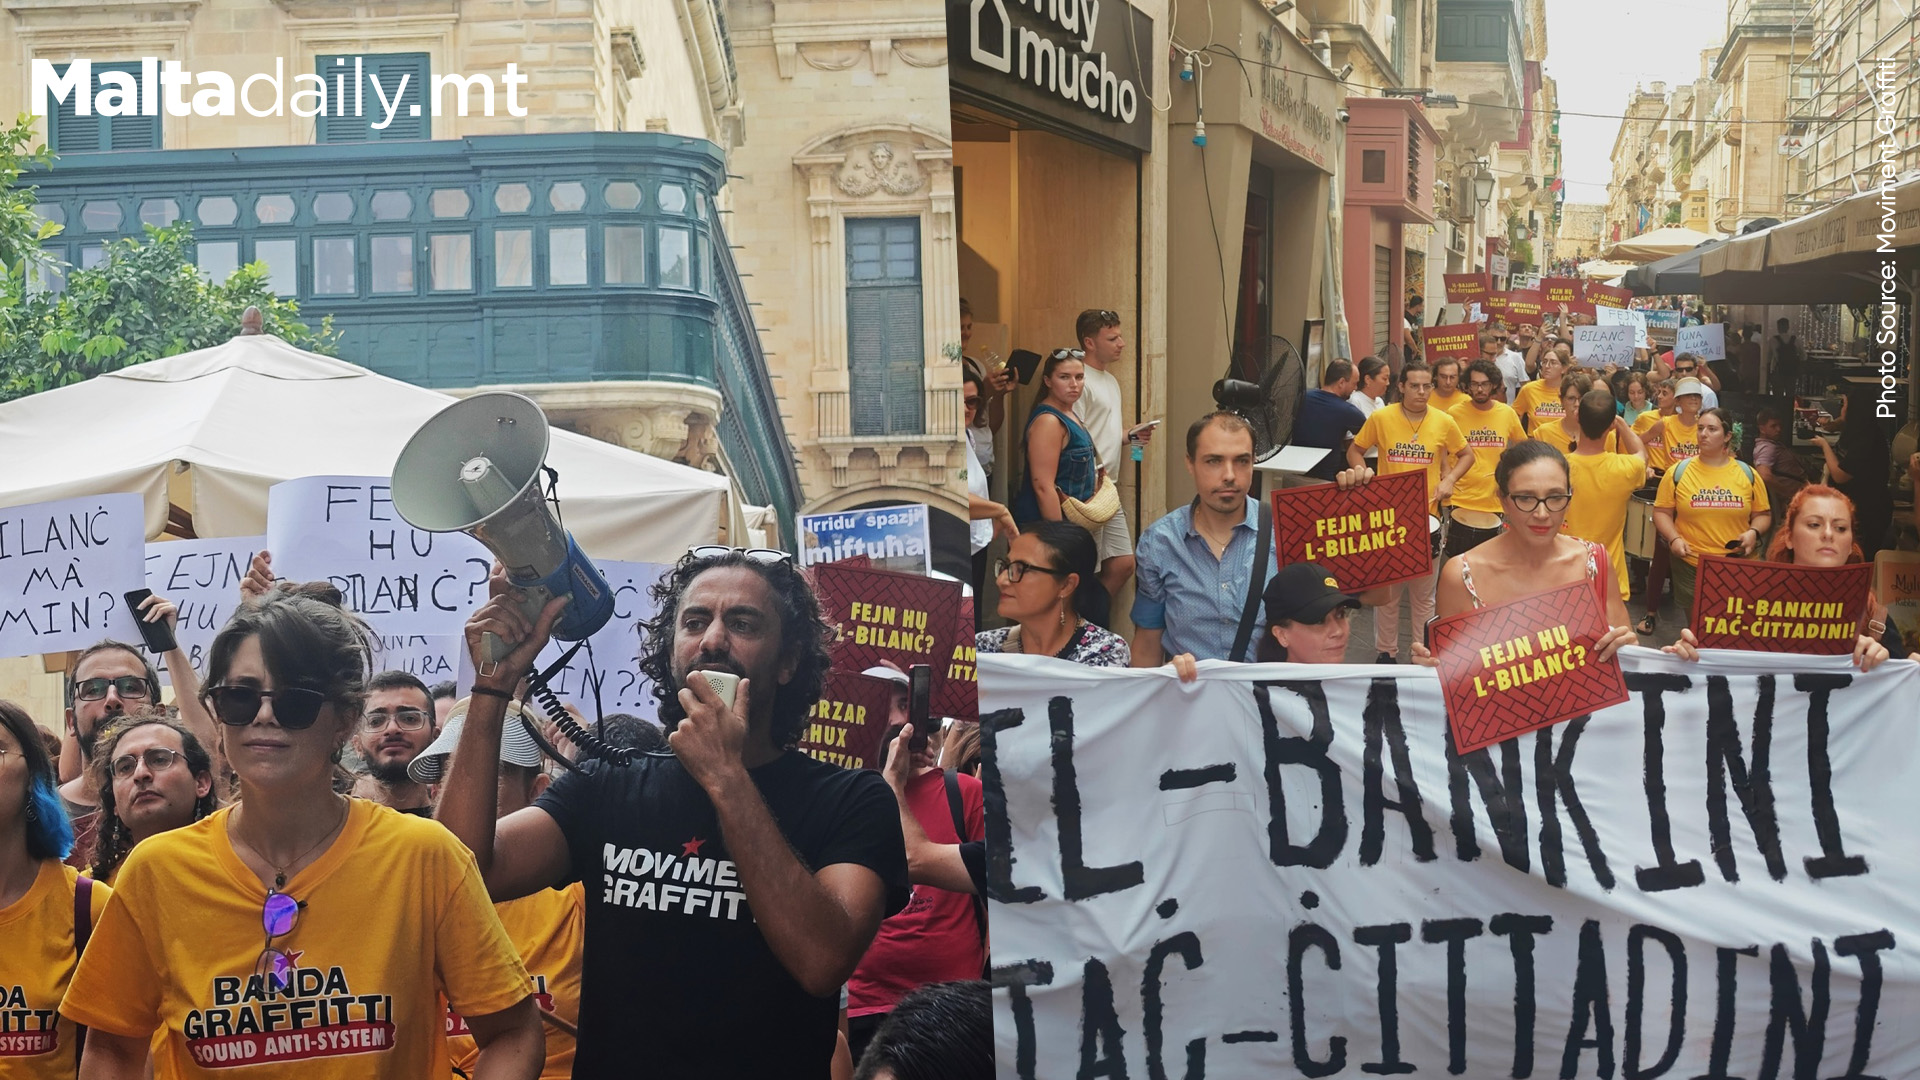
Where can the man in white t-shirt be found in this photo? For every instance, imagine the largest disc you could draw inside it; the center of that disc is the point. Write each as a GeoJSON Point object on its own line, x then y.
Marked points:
{"type": "Point", "coordinates": [1099, 408]}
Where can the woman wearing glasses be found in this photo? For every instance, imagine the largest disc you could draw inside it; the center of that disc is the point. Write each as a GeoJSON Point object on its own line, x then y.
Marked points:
{"type": "Point", "coordinates": [1532, 555]}
{"type": "Point", "coordinates": [45, 907]}
{"type": "Point", "coordinates": [151, 776]}
{"type": "Point", "coordinates": [1049, 577]}
{"type": "Point", "coordinates": [299, 929]}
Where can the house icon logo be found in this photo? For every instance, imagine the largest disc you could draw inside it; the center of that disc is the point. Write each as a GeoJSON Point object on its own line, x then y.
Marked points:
{"type": "Point", "coordinates": [1001, 61]}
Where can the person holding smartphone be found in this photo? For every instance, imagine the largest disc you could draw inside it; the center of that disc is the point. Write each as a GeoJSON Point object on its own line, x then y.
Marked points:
{"type": "Point", "coordinates": [108, 680]}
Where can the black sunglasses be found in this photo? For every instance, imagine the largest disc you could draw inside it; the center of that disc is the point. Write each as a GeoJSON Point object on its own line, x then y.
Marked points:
{"type": "Point", "coordinates": [293, 708]}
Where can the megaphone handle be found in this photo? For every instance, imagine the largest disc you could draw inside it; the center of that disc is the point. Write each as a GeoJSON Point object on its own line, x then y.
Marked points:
{"type": "Point", "coordinates": [536, 597]}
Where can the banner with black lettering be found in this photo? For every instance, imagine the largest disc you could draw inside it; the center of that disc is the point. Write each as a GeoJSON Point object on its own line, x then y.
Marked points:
{"type": "Point", "coordinates": [1286, 871]}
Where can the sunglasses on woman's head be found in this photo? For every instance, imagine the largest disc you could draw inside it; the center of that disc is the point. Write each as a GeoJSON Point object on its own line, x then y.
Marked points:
{"type": "Point", "coordinates": [293, 708]}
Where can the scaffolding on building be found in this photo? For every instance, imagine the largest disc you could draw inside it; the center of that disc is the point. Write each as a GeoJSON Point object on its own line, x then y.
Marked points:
{"type": "Point", "coordinates": [1841, 51]}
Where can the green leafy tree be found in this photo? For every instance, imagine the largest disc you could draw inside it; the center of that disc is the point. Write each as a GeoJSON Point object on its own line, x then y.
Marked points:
{"type": "Point", "coordinates": [143, 301]}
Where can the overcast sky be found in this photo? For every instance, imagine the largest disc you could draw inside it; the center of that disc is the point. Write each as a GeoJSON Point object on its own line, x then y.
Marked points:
{"type": "Point", "coordinates": [1597, 51]}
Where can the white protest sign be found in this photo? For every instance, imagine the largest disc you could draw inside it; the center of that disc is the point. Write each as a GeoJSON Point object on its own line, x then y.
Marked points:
{"type": "Point", "coordinates": [65, 569]}
{"type": "Point", "coordinates": [1613, 316]}
{"type": "Point", "coordinates": [431, 658]}
{"type": "Point", "coordinates": [616, 648]}
{"type": "Point", "coordinates": [1597, 345]}
{"type": "Point", "coordinates": [403, 581]}
{"type": "Point", "coordinates": [1285, 871]}
{"type": "Point", "coordinates": [1706, 342]}
{"type": "Point", "coordinates": [202, 578]}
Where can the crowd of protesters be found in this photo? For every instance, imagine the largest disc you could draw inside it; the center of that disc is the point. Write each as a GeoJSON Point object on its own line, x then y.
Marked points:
{"type": "Point", "coordinates": [1532, 460]}
{"type": "Point", "coordinates": [341, 872]}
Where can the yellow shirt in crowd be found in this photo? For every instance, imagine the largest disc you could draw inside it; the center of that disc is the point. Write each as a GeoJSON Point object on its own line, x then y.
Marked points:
{"type": "Point", "coordinates": [394, 916]}
{"type": "Point", "coordinates": [36, 963]}
{"type": "Point", "coordinates": [1564, 435]}
{"type": "Point", "coordinates": [1405, 448]}
{"type": "Point", "coordinates": [1603, 484]}
{"type": "Point", "coordinates": [1446, 403]}
{"type": "Point", "coordinates": [1712, 504]}
{"type": "Point", "coordinates": [1488, 432]}
{"type": "Point", "coordinates": [548, 929]}
{"type": "Point", "coordinates": [1538, 404]}
{"type": "Point", "coordinates": [1672, 440]}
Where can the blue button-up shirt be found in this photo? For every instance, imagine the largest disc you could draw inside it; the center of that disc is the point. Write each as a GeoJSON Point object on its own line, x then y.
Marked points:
{"type": "Point", "coordinates": [1194, 599]}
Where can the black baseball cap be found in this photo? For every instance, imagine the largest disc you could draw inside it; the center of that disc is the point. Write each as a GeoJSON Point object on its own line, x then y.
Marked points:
{"type": "Point", "coordinates": [1304, 593]}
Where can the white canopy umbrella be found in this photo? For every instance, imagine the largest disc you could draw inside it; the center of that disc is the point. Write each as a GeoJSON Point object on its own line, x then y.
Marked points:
{"type": "Point", "coordinates": [1604, 269]}
{"type": "Point", "coordinates": [210, 431]}
{"type": "Point", "coordinates": [1658, 244]}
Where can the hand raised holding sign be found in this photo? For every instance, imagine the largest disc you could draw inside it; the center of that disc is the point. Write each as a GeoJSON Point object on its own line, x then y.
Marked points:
{"type": "Point", "coordinates": [259, 576]}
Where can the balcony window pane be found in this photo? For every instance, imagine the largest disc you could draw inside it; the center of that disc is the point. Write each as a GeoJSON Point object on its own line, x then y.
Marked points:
{"type": "Point", "coordinates": [512, 198]}
{"type": "Point", "coordinates": [273, 209]}
{"type": "Point", "coordinates": [53, 212]}
{"type": "Point", "coordinates": [217, 259]}
{"type": "Point", "coordinates": [283, 274]}
{"type": "Point", "coordinates": [333, 259]}
{"type": "Point", "coordinates": [218, 211]}
{"type": "Point", "coordinates": [626, 246]}
{"type": "Point", "coordinates": [92, 255]}
{"type": "Point", "coordinates": [567, 257]}
{"type": "Point", "coordinates": [49, 276]}
{"type": "Point", "coordinates": [568, 196]}
{"type": "Point", "coordinates": [623, 195]}
{"type": "Point", "coordinates": [673, 198]}
{"type": "Point", "coordinates": [676, 259]}
{"type": "Point", "coordinates": [451, 203]}
{"type": "Point", "coordinates": [513, 258]}
{"type": "Point", "coordinates": [159, 213]}
{"type": "Point", "coordinates": [332, 206]}
{"type": "Point", "coordinates": [392, 259]}
{"type": "Point", "coordinates": [392, 206]}
{"type": "Point", "coordinates": [452, 261]}
{"type": "Point", "coordinates": [100, 216]}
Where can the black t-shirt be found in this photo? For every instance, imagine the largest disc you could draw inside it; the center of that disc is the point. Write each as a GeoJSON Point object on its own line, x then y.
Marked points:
{"type": "Point", "coordinates": [1327, 420]}
{"type": "Point", "coordinates": [677, 980]}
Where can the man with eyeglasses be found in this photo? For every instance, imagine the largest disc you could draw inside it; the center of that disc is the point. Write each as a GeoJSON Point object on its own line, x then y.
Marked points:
{"type": "Point", "coordinates": [1688, 366]}
{"type": "Point", "coordinates": [399, 724]}
{"type": "Point", "coordinates": [109, 680]}
{"type": "Point", "coordinates": [733, 884]}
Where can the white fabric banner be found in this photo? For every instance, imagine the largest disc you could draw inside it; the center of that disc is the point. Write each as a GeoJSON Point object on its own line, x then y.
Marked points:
{"type": "Point", "coordinates": [1284, 871]}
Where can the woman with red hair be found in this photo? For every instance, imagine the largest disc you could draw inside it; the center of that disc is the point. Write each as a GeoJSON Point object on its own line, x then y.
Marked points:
{"type": "Point", "coordinates": [1818, 530]}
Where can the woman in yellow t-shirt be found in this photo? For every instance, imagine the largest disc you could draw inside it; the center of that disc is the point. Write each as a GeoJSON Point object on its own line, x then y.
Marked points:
{"type": "Point", "coordinates": [1712, 504]}
{"type": "Point", "coordinates": [1538, 402]}
{"type": "Point", "coordinates": [321, 936]}
{"type": "Point", "coordinates": [41, 919]}
{"type": "Point", "coordinates": [1564, 433]}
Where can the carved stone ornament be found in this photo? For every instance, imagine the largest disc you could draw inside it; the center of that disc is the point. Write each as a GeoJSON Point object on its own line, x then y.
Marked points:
{"type": "Point", "coordinates": [876, 168]}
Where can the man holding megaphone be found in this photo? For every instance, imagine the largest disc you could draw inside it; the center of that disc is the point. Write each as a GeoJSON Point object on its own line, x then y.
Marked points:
{"type": "Point", "coordinates": [732, 884]}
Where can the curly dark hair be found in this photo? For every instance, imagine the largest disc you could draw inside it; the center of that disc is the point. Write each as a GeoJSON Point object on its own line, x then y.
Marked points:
{"type": "Point", "coordinates": [804, 637]}
{"type": "Point", "coordinates": [115, 839]}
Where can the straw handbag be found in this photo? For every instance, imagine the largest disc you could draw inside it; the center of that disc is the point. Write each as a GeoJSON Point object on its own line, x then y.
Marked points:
{"type": "Point", "coordinates": [1096, 511]}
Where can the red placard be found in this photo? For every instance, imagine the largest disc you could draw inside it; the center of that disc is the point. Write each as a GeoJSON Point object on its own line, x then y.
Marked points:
{"type": "Point", "coordinates": [1608, 295]}
{"type": "Point", "coordinates": [1377, 534]}
{"type": "Point", "coordinates": [1779, 607]}
{"type": "Point", "coordinates": [1466, 288]}
{"type": "Point", "coordinates": [850, 721]}
{"type": "Point", "coordinates": [1511, 668]}
{"type": "Point", "coordinates": [1565, 290]}
{"type": "Point", "coordinates": [1523, 307]}
{"type": "Point", "coordinates": [959, 694]}
{"type": "Point", "coordinates": [885, 615]}
{"type": "Point", "coordinates": [1498, 303]}
{"type": "Point", "coordinates": [1460, 340]}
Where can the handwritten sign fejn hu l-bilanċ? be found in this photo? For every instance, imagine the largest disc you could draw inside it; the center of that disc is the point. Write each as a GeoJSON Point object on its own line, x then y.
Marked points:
{"type": "Point", "coordinates": [65, 567]}
{"type": "Point", "coordinates": [202, 578]}
{"type": "Point", "coordinates": [402, 580]}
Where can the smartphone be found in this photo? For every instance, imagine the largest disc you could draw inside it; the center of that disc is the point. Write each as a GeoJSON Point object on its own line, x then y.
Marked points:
{"type": "Point", "coordinates": [1025, 362]}
{"type": "Point", "coordinates": [920, 703]}
{"type": "Point", "coordinates": [1733, 545]}
{"type": "Point", "coordinates": [724, 683]}
{"type": "Point", "coordinates": [158, 636]}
